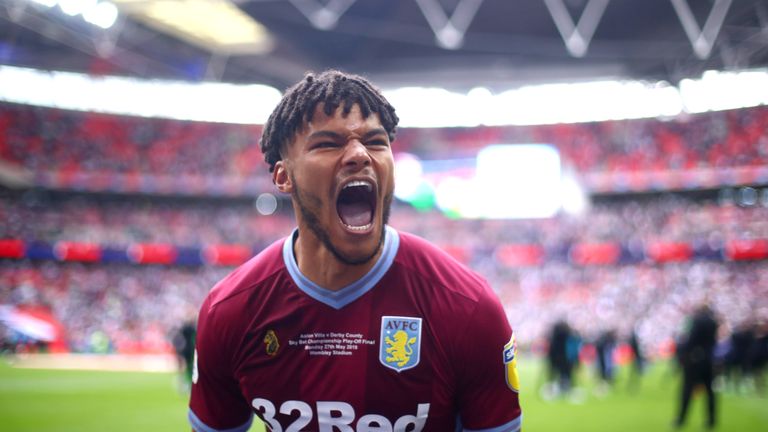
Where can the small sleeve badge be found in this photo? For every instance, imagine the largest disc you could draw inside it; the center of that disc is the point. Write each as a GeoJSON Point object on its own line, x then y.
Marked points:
{"type": "Point", "coordinates": [510, 364]}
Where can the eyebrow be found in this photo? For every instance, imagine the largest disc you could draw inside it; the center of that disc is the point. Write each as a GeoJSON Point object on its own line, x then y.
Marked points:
{"type": "Point", "coordinates": [337, 136]}
{"type": "Point", "coordinates": [374, 132]}
{"type": "Point", "coordinates": [323, 134]}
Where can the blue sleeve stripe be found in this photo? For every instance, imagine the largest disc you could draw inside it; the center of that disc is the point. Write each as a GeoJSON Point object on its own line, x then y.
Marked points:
{"type": "Point", "coordinates": [513, 426]}
{"type": "Point", "coordinates": [199, 426]}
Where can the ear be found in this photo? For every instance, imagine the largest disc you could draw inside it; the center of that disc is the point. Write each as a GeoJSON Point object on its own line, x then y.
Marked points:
{"type": "Point", "coordinates": [280, 177]}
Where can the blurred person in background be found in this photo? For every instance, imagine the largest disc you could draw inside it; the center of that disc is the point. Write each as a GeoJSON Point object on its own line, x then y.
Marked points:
{"type": "Point", "coordinates": [183, 341]}
{"type": "Point", "coordinates": [738, 361]}
{"type": "Point", "coordinates": [606, 367]}
{"type": "Point", "coordinates": [574, 346]}
{"type": "Point", "coordinates": [696, 356]}
{"type": "Point", "coordinates": [7, 346]}
{"type": "Point", "coordinates": [347, 323]}
{"type": "Point", "coordinates": [560, 364]}
{"type": "Point", "coordinates": [758, 356]}
{"type": "Point", "coordinates": [638, 360]}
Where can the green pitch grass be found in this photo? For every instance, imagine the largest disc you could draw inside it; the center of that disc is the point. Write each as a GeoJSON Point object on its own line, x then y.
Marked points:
{"type": "Point", "coordinates": [83, 401]}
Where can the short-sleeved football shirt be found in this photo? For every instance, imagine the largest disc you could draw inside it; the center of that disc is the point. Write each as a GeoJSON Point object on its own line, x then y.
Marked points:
{"type": "Point", "coordinates": [420, 343]}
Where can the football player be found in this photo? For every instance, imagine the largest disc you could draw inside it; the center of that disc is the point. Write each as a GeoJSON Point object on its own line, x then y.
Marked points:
{"type": "Point", "coordinates": [347, 324]}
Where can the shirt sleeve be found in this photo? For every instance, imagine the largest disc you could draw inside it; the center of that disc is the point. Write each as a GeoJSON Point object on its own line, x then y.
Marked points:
{"type": "Point", "coordinates": [487, 368]}
{"type": "Point", "coordinates": [216, 403]}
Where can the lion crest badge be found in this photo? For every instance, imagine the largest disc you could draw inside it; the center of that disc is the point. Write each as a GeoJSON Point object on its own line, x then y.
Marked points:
{"type": "Point", "coordinates": [400, 342]}
{"type": "Point", "coordinates": [272, 343]}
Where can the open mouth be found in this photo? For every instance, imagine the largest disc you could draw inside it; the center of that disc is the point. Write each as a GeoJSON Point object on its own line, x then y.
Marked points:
{"type": "Point", "coordinates": [356, 204]}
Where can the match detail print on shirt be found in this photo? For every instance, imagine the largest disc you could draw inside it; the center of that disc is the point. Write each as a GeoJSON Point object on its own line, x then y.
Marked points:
{"type": "Point", "coordinates": [331, 344]}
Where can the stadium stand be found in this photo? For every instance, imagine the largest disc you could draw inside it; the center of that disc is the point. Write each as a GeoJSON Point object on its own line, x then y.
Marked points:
{"type": "Point", "coordinates": [109, 307]}
{"type": "Point", "coordinates": [716, 139]}
{"type": "Point", "coordinates": [100, 152]}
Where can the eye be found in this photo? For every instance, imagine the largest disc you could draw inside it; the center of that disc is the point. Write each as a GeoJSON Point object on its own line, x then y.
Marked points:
{"type": "Point", "coordinates": [378, 142]}
{"type": "Point", "coordinates": [324, 144]}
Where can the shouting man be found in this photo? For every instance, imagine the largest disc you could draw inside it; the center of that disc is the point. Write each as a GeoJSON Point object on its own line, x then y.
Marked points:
{"type": "Point", "coordinates": [348, 324]}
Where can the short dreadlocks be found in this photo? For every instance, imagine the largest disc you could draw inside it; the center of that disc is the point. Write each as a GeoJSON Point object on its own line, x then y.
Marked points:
{"type": "Point", "coordinates": [332, 88]}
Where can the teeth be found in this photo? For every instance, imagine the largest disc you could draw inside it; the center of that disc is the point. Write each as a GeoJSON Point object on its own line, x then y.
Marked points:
{"type": "Point", "coordinates": [356, 183]}
{"type": "Point", "coordinates": [358, 228]}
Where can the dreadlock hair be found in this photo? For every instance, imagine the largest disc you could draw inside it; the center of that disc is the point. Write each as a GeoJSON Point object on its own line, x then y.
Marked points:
{"type": "Point", "coordinates": [332, 88]}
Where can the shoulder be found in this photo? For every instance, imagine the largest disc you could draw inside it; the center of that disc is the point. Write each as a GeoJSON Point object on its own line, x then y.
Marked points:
{"type": "Point", "coordinates": [425, 260]}
{"type": "Point", "coordinates": [244, 279]}
{"type": "Point", "coordinates": [228, 309]}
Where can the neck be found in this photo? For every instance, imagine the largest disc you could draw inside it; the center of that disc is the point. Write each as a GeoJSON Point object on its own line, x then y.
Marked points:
{"type": "Point", "coordinates": [318, 264]}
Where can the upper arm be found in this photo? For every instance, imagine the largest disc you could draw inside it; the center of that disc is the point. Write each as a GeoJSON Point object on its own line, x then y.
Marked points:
{"type": "Point", "coordinates": [488, 383]}
{"type": "Point", "coordinates": [216, 402]}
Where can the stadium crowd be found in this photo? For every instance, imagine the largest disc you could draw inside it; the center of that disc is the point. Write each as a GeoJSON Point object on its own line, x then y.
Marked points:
{"type": "Point", "coordinates": [716, 139]}
{"type": "Point", "coordinates": [34, 216]}
{"type": "Point", "coordinates": [44, 139]}
{"type": "Point", "coordinates": [110, 308]}
{"type": "Point", "coordinates": [121, 222]}
{"type": "Point", "coordinates": [651, 297]}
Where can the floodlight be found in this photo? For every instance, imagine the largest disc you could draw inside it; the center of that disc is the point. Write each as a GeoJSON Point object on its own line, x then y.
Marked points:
{"type": "Point", "coordinates": [76, 7]}
{"type": "Point", "coordinates": [103, 14]}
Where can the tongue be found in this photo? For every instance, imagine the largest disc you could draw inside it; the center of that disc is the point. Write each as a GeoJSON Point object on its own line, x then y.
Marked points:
{"type": "Point", "coordinates": [355, 214]}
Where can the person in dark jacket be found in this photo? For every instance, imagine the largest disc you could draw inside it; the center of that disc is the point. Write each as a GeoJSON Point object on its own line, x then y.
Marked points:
{"type": "Point", "coordinates": [560, 363]}
{"type": "Point", "coordinates": [638, 361]}
{"type": "Point", "coordinates": [696, 359]}
{"type": "Point", "coordinates": [605, 346]}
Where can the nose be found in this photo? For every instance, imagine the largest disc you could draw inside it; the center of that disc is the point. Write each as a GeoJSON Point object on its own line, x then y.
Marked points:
{"type": "Point", "coordinates": [356, 155]}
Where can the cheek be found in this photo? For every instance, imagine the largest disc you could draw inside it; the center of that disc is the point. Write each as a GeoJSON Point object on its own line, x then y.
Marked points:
{"type": "Point", "coordinates": [315, 179]}
{"type": "Point", "coordinates": [389, 171]}
{"type": "Point", "coordinates": [387, 180]}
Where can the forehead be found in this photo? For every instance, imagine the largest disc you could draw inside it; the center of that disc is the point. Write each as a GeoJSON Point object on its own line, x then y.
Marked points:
{"type": "Point", "coordinates": [353, 120]}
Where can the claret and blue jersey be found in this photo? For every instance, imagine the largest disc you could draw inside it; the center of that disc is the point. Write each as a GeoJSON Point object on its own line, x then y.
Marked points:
{"type": "Point", "coordinates": [420, 343]}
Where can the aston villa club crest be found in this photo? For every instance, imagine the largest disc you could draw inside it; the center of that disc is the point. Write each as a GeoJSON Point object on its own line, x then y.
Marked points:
{"type": "Point", "coordinates": [400, 342]}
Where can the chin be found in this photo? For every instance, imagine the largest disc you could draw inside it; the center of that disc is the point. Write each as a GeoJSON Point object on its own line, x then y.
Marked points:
{"type": "Point", "coordinates": [360, 247]}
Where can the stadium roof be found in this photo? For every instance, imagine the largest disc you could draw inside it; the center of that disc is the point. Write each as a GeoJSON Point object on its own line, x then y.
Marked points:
{"type": "Point", "coordinates": [456, 44]}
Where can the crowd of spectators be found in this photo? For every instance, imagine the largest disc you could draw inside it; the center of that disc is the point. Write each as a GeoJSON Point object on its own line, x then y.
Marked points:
{"type": "Point", "coordinates": [670, 218]}
{"type": "Point", "coordinates": [35, 216]}
{"type": "Point", "coordinates": [44, 139]}
{"type": "Point", "coordinates": [109, 308]}
{"type": "Point", "coordinates": [651, 299]}
{"type": "Point", "coordinates": [122, 222]}
{"type": "Point", "coordinates": [139, 304]}
{"type": "Point", "coordinates": [714, 139]}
